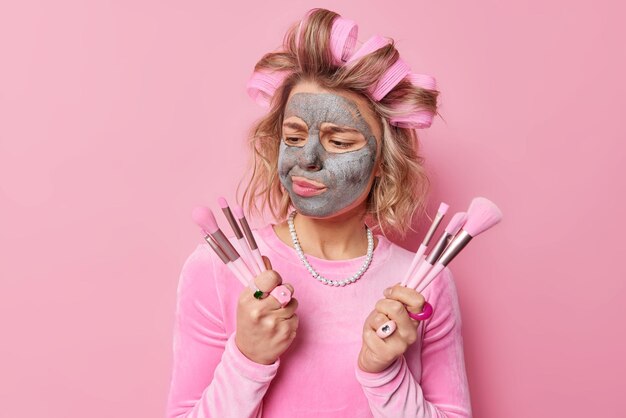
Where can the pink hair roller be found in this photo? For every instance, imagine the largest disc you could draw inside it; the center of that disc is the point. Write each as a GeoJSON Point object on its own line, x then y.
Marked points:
{"type": "Point", "coordinates": [343, 39]}
{"type": "Point", "coordinates": [421, 118]}
{"type": "Point", "coordinates": [262, 86]}
{"type": "Point", "coordinates": [416, 120]}
{"type": "Point", "coordinates": [394, 74]}
{"type": "Point", "coordinates": [423, 80]}
{"type": "Point", "coordinates": [390, 79]}
{"type": "Point", "coordinates": [372, 44]}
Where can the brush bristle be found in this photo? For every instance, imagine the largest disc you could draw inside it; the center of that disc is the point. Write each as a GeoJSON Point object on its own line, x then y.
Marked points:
{"type": "Point", "coordinates": [205, 219]}
{"type": "Point", "coordinates": [222, 202]}
{"type": "Point", "coordinates": [443, 208]}
{"type": "Point", "coordinates": [238, 211]}
{"type": "Point", "coordinates": [457, 221]}
{"type": "Point", "coordinates": [482, 214]}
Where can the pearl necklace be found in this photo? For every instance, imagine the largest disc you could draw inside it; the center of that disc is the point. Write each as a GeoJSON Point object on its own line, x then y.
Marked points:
{"type": "Point", "coordinates": [315, 274]}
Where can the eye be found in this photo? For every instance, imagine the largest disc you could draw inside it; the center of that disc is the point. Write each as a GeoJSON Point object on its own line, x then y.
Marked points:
{"type": "Point", "coordinates": [341, 144]}
{"type": "Point", "coordinates": [293, 140]}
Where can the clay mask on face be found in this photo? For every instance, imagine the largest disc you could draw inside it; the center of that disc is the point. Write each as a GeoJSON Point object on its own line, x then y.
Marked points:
{"type": "Point", "coordinates": [345, 175]}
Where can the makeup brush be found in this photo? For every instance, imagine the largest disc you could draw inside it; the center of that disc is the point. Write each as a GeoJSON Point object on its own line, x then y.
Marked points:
{"type": "Point", "coordinates": [222, 255]}
{"type": "Point", "coordinates": [482, 214]}
{"type": "Point", "coordinates": [247, 256]}
{"type": "Point", "coordinates": [238, 210]}
{"type": "Point", "coordinates": [204, 217]}
{"type": "Point", "coordinates": [452, 228]}
{"type": "Point", "coordinates": [419, 255]}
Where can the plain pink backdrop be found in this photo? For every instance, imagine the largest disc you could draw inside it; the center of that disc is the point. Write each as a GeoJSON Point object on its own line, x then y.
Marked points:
{"type": "Point", "coordinates": [118, 117]}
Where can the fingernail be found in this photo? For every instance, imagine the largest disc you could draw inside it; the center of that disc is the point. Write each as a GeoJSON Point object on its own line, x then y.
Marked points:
{"type": "Point", "coordinates": [387, 292]}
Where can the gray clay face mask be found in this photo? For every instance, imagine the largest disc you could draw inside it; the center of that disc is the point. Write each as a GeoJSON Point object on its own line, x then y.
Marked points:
{"type": "Point", "coordinates": [345, 174]}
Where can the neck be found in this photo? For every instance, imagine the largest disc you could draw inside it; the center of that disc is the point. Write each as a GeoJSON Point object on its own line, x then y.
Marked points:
{"type": "Point", "coordinates": [338, 238]}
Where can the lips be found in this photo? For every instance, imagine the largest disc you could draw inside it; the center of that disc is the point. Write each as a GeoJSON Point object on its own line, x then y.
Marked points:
{"type": "Point", "coordinates": [307, 188]}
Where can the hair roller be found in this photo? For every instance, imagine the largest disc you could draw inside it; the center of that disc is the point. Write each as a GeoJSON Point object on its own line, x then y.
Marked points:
{"type": "Point", "coordinates": [262, 85]}
{"type": "Point", "coordinates": [343, 38]}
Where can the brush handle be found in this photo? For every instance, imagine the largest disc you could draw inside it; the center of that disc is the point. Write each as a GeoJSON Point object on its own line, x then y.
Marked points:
{"type": "Point", "coordinates": [230, 251]}
{"type": "Point", "coordinates": [243, 269]}
{"type": "Point", "coordinates": [433, 227]}
{"type": "Point", "coordinates": [248, 257]}
{"type": "Point", "coordinates": [248, 233]}
{"type": "Point", "coordinates": [439, 248]}
{"type": "Point", "coordinates": [417, 259]}
{"type": "Point", "coordinates": [454, 248]}
{"type": "Point", "coordinates": [437, 268]}
{"type": "Point", "coordinates": [259, 260]}
{"type": "Point", "coordinates": [238, 274]}
{"type": "Point", "coordinates": [231, 220]}
{"type": "Point", "coordinates": [419, 274]}
{"type": "Point", "coordinates": [220, 253]}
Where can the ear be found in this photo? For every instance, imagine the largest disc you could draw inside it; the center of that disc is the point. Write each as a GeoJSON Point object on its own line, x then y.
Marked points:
{"type": "Point", "coordinates": [378, 171]}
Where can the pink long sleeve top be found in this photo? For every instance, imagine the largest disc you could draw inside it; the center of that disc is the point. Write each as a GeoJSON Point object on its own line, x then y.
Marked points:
{"type": "Point", "coordinates": [318, 375]}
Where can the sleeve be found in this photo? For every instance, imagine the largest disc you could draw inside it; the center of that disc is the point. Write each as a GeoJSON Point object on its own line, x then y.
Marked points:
{"type": "Point", "coordinates": [443, 389]}
{"type": "Point", "coordinates": [210, 376]}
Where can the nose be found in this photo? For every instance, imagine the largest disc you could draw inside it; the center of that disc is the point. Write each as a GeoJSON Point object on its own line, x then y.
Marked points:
{"type": "Point", "coordinates": [310, 157]}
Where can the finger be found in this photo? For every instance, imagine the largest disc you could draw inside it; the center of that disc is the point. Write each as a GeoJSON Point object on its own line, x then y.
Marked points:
{"type": "Point", "coordinates": [277, 299]}
{"type": "Point", "coordinates": [288, 311]}
{"type": "Point", "coordinates": [378, 322]}
{"type": "Point", "coordinates": [290, 287]}
{"type": "Point", "coordinates": [376, 344]}
{"type": "Point", "coordinates": [266, 261]}
{"type": "Point", "coordinates": [413, 300]}
{"type": "Point", "coordinates": [293, 322]}
{"type": "Point", "coordinates": [267, 281]}
{"type": "Point", "coordinates": [375, 320]}
{"type": "Point", "coordinates": [397, 311]}
{"type": "Point", "coordinates": [386, 349]}
{"type": "Point", "coordinates": [288, 328]}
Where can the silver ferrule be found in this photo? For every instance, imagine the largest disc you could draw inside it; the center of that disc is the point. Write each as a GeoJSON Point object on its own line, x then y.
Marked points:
{"type": "Point", "coordinates": [232, 222]}
{"type": "Point", "coordinates": [225, 244]}
{"type": "Point", "coordinates": [433, 228]}
{"type": "Point", "coordinates": [456, 245]}
{"type": "Point", "coordinates": [248, 232]}
{"type": "Point", "coordinates": [439, 247]}
{"type": "Point", "coordinates": [217, 249]}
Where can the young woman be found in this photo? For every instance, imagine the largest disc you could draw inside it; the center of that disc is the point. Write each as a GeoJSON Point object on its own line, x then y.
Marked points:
{"type": "Point", "coordinates": [336, 152]}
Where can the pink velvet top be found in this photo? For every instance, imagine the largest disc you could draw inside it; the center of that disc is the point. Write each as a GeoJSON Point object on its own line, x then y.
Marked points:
{"type": "Point", "coordinates": [318, 375]}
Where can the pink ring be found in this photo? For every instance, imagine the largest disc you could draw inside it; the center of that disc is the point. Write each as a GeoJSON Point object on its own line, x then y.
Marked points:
{"type": "Point", "coordinates": [386, 329]}
{"type": "Point", "coordinates": [282, 294]}
{"type": "Point", "coordinates": [427, 312]}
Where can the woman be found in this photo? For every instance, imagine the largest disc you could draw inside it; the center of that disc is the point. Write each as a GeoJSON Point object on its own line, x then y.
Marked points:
{"type": "Point", "coordinates": [336, 151]}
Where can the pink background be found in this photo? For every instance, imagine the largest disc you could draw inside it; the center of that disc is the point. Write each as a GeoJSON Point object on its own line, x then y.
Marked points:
{"type": "Point", "coordinates": [118, 117]}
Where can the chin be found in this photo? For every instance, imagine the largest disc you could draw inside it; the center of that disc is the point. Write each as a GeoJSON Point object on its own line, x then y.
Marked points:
{"type": "Point", "coordinates": [324, 213]}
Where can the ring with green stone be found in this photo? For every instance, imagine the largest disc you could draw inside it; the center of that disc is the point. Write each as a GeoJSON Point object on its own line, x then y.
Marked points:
{"type": "Point", "coordinates": [258, 293]}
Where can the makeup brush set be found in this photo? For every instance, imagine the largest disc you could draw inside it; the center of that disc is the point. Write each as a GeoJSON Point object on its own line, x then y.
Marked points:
{"type": "Point", "coordinates": [246, 264]}
{"type": "Point", "coordinates": [481, 215]}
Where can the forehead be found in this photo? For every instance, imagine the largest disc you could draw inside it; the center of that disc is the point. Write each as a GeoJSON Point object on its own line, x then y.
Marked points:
{"type": "Point", "coordinates": [309, 101]}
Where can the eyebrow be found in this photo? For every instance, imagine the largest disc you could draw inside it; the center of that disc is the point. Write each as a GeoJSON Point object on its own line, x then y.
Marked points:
{"type": "Point", "coordinates": [333, 129]}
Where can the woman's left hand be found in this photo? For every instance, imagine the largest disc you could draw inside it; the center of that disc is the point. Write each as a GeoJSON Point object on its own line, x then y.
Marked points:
{"type": "Point", "coordinates": [376, 353]}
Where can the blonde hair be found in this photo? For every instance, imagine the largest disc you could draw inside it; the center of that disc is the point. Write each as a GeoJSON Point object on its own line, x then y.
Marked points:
{"type": "Point", "coordinates": [400, 191]}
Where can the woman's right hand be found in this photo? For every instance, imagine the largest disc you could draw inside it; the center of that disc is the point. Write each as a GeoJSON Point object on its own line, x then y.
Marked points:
{"type": "Point", "coordinates": [265, 330]}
